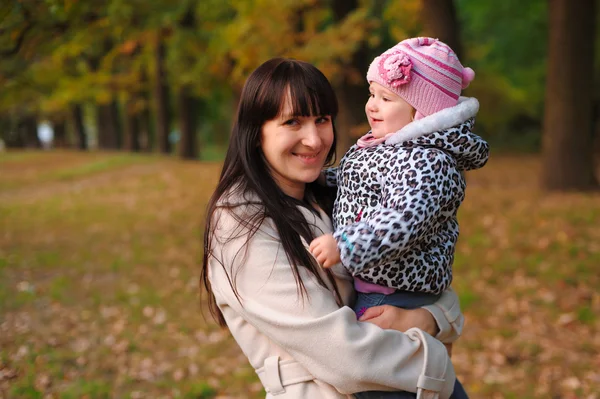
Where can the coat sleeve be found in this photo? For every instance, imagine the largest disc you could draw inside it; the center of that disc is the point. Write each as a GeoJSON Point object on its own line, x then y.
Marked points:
{"type": "Point", "coordinates": [410, 207]}
{"type": "Point", "coordinates": [331, 176]}
{"type": "Point", "coordinates": [327, 340]}
{"type": "Point", "coordinates": [450, 320]}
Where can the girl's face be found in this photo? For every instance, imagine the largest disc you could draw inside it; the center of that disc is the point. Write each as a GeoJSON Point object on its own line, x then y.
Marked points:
{"type": "Point", "coordinates": [386, 111]}
{"type": "Point", "coordinates": [296, 148]}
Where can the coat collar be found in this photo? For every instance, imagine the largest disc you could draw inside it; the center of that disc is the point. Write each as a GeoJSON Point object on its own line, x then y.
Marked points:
{"type": "Point", "coordinates": [466, 108]}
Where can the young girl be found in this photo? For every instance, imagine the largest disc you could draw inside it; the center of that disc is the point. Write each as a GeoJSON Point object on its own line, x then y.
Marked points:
{"type": "Point", "coordinates": [400, 186]}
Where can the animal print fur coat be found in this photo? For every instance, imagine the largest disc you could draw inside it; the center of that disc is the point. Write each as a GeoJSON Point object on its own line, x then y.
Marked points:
{"type": "Point", "coordinates": [395, 214]}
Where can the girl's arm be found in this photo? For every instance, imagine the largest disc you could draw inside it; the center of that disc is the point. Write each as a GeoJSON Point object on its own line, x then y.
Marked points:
{"type": "Point", "coordinates": [328, 177]}
{"type": "Point", "coordinates": [326, 339]}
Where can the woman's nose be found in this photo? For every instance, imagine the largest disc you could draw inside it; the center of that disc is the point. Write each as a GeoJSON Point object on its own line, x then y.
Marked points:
{"type": "Point", "coordinates": [311, 136]}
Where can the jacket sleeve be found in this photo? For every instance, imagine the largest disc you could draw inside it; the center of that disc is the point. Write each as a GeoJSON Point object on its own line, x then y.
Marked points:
{"type": "Point", "coordinates": [476, 154]}
{"type": "Point", "coordinates": [447, 314]}
{"type": "Point", "coordinates": [474, 150]}
{"type": "Point", "coordinates": [327, 340]}
{"type": "Point", "coordinates": [408, 210]}
{"type": "Point", "coordinates": [331, 176]}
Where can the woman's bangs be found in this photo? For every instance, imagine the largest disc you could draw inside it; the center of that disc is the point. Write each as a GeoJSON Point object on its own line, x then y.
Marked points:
{"type": "Point", "coordinates": [311, 95]}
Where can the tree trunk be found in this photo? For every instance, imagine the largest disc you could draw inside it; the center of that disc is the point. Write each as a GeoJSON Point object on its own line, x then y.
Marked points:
{"type": "Point", "coordinates": [161, 97]}
{"type": "Point", "coordinates": [107, 116]}
{"type": "Point", "coordinates": [352, 88]}
{"type": "Point", "coordinates": [567, 140]}
{"type": "Point", "coordinates": [116, 136]}
{"type": "Point", "coordinates": [145, 117]}
{"type": "Point", "coordinates": [60, 134]}
{"type": "Point", "coordinates": [27, 128]}
{"type": "Point", "coordinates": [132, 128]}
{"type": "Point", "coordinates": [78, 127]}
{"type": "Point", "coordinates": [439, 21]}
{"type": "Point", "coordinates": [187, 124]}
{"type": "Point", "coordinates": [12, 134]}
{"type": "Point", "coordinates": [146, 134]}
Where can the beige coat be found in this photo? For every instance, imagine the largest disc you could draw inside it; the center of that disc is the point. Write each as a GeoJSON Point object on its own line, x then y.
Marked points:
{"type": "Point", "coordinates": [311, 347]}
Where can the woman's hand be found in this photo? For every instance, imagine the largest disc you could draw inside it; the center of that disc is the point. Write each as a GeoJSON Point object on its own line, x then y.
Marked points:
{"type": "Point", "coordinates": [391, 317]}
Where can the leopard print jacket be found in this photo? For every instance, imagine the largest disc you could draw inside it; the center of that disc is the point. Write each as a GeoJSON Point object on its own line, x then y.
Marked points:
{"type": "Point", "coordinates": [395, 214]}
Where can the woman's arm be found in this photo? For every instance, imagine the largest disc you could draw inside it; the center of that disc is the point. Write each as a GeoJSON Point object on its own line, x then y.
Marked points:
{"type": "Point", "coordinates": [327, 340]}
{"type": "Point", "coordinates": [443, 319]}
{"type": "Point", "coordinates": [448, 316]}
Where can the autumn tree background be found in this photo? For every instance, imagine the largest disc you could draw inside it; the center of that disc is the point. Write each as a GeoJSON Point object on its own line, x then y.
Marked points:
{"type": "Point", "coordinates": [100, 228]}
{"type": "Point", "coordinates": [164, 77]}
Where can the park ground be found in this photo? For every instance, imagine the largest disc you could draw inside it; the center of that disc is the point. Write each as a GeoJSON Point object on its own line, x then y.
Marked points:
{"type": "Point", "coordinates": [100, 256]}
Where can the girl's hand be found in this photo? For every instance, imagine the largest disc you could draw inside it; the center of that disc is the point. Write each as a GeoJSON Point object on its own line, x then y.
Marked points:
{"type": "Point", "coordinates": [325, 250]}
{"type": "Point", "coordinates": [390, 317]}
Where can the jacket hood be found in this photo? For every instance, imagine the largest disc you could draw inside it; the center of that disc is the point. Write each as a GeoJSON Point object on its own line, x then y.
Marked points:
{"type": "Point", "coordinates": [450, 131]}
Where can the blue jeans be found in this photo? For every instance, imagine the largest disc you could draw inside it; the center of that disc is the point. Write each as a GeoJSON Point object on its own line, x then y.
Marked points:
{"type": "Point", "coordinates": [406, 300]}
{"type": "Point", "coordinates": [459, 393]}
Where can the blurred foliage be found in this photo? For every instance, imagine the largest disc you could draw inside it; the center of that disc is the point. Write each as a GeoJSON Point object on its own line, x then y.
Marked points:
{"type": "Point", "coordinates": [93, 52]}
{"type": "Point", "coordinates": [506, 44]}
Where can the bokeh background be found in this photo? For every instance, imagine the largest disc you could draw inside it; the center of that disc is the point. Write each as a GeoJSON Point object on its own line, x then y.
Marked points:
{"type": "Point", "coordinates": [114, 118]}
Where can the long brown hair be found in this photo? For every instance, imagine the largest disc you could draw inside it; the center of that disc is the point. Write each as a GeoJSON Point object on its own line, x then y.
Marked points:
{"type": "Point", "coordinates": [245, 169]}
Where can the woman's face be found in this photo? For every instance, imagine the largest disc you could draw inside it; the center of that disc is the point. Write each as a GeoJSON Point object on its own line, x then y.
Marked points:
{"type": "Point", "coordinates": [296, 148]}
{"type": "Point", "coordinates": [386, 111]}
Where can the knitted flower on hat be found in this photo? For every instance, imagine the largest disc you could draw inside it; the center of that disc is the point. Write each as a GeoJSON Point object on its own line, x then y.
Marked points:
{"type": "Point", "coordinates": [395, 68]}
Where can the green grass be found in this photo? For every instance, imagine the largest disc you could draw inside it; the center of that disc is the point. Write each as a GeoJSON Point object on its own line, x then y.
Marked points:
{"type": "Point", "coordinates": [89, 241]}
{"type": "Point", "coordinates": [102, 165]}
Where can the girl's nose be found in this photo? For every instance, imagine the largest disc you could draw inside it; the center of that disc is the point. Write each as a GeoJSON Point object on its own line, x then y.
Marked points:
{"type": "Point", "coordinates": [372, 104]}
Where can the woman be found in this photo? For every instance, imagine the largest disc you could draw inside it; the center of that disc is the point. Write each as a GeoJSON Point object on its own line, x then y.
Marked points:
{"type": "Point", "coordinates": [288, 315]}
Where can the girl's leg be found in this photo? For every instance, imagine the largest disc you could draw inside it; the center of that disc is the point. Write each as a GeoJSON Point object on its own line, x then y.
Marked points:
{"type": "Point", "coordinates": [384, 395]}
{"type": "Point", "coordinates": [459, 391]}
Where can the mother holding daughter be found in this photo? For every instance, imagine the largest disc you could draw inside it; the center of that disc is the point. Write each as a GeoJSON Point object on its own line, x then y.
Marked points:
{"type": "Point", "coordinates": [292, 318]}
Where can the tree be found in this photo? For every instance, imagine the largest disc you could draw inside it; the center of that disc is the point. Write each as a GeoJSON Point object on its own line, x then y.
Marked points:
{"type": "Point", "coordinates": [188, 146]}
{"type": "Point", "coordinates": [351, 86]}
{"type": "Point", "coordinates": [59, 128]}
{"type": "Point", "coordinates": [132, 126]}
{"type": "Point", "coordinates": [161, 96]}
{"type": "Point", "coordinates": [439, 21]}
{"type": "Point", "coordinates": [568, 134]}
{"type": "Point", "coordinates": [78, 127]}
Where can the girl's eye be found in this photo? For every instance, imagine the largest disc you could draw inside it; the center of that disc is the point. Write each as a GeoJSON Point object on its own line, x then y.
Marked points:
{"type": "Point", "coordinates": [385, 99]}
{"type": "Point", "coordinates": [291, 122]}
{"type": "Point", "coordinates": [371, 95]}
{"type": "Point", "coordinates": [323, 119]}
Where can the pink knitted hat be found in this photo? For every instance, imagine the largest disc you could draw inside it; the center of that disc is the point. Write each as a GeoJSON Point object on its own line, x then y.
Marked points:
{"type": "Point", "coordinates": [424, 72]}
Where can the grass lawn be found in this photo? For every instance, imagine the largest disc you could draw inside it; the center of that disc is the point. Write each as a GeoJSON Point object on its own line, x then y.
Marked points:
{"type": "Point", "coordinates": [99, 261]}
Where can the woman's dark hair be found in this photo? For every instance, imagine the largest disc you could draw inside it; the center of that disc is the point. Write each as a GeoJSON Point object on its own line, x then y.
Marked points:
{"type": "Point", "coordinates": [245, 170]}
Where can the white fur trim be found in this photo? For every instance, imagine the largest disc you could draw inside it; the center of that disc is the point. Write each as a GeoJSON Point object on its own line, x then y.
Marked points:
{"type": "Point", "coordinates": [466, 108]}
